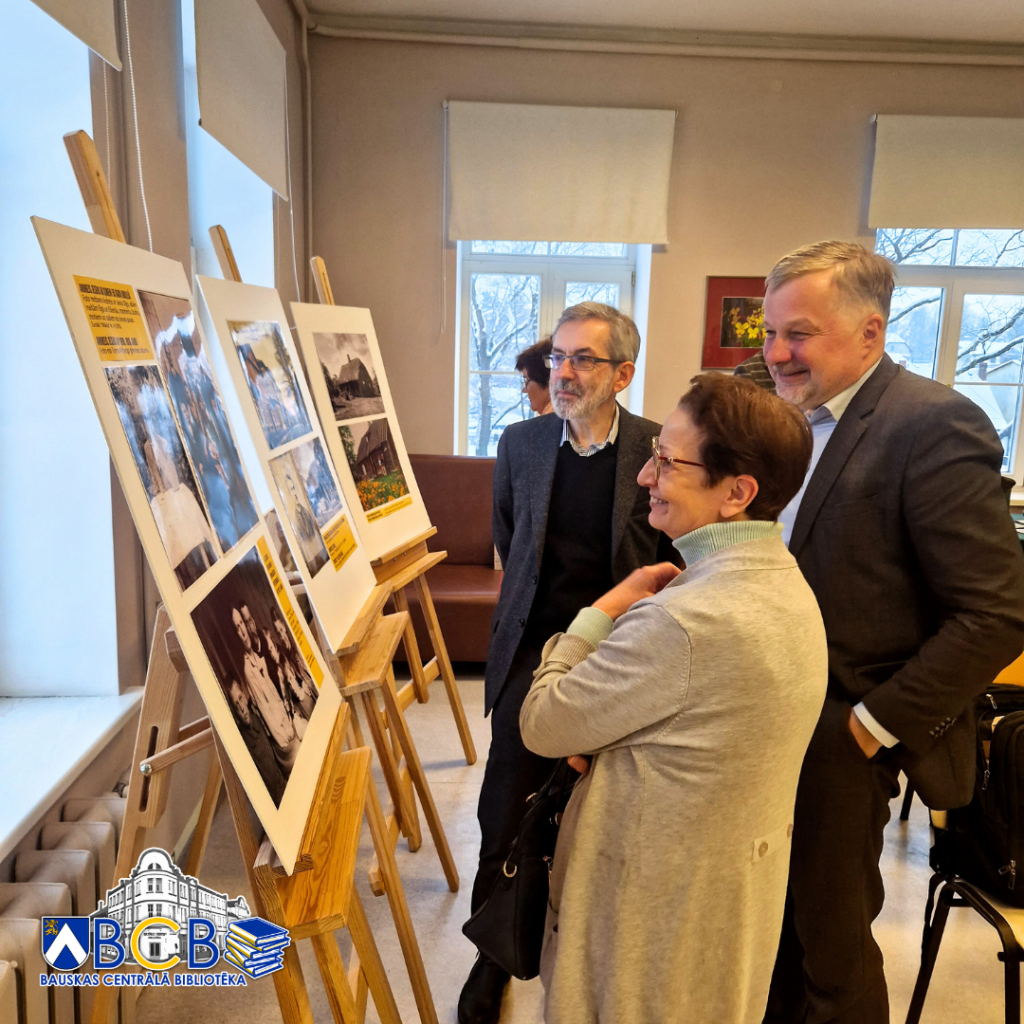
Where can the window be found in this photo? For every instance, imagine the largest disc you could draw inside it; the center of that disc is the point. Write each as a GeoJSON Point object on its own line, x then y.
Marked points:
{"type": "Point", "coordinates": [221, 189]}
{"type": "Point", "coordinates": [958, 317]}
{"type": "Point", "coordinates": [45, 92]}
{"type": "Point", "coordinates": [510, 295]}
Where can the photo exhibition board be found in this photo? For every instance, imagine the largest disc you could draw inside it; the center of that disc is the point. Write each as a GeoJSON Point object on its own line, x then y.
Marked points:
{"type": "Point", "coordinates": [268, 692]}
{"type": "Point", "coordinates": [267, 376]}
{"type": "Point", "coordinates": [351, 391]}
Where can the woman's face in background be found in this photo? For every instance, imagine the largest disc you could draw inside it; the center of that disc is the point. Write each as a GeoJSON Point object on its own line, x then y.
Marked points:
{"type": "Point", "coordinates": [681, 501]}
{"type": "Point", "coordinates": [537, 395]}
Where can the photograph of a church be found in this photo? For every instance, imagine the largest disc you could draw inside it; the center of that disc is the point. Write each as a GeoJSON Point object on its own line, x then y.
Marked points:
{"type": "Point", "coordinates": [350, 375]}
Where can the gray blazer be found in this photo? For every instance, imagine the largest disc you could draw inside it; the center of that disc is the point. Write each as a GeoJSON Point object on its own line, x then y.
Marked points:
{"type": "Point", "coordinates": [904, 536]}
{"type": "Point", "coordinates": [523, 475]}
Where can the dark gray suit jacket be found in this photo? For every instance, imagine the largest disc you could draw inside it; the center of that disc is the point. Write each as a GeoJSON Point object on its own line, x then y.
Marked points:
{"type": "Point", "coordinates": [904, 536]}
{"type": "Point", "coordinates": [523, 475]}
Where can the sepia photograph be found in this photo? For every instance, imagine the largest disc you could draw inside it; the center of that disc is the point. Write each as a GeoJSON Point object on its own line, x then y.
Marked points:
{"type": "Point", "coordinates": [153, 437]}
{"type": "Point", "coordinates": [371, 453]}
{"type": "Point", "coordinates": [300, 514]}
{"type": "Point", "coordinates": [271, 379]}
{"type": "Point", "coordinates": [201, 414]}
{"type": "Point", "coordinates": [351, 377]}
{"type": "Point", "coordinates": [259, 667]}
{"type": "Point", "coordinates": [315, 474]}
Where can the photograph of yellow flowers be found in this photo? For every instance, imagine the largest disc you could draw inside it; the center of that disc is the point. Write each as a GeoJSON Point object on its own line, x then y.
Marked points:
{"type": "Point", "coordinates": [734, 320]}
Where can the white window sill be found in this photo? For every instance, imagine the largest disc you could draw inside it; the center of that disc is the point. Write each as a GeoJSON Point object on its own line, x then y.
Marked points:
{"type": "Point", "coordinates": [45, 743]}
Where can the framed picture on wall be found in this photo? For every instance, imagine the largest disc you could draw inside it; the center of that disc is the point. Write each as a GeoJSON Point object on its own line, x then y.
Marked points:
{"type": "Point", "coordinates": [733, 321]}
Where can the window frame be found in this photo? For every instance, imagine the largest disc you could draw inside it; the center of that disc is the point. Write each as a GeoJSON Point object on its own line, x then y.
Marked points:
{"type": "Point", "coordinates": [555, 273]}
{"type": "Point", "coordinates": [956, 282]}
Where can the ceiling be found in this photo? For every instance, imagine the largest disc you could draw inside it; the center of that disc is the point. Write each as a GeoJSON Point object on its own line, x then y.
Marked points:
{"type": "Point", "coordinates": [961, 21]}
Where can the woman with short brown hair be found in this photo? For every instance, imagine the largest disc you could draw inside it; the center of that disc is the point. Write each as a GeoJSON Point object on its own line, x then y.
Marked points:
{"type": "Point", "coordinates": [536, 375]}
{"type": "Point", "coordinates": [695, 693]}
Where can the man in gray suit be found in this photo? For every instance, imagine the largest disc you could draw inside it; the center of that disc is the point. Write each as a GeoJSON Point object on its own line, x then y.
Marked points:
{"type": "Point", "coordinates": [570, 521]}
{"type": "Point", "coordinates": [903, 533]}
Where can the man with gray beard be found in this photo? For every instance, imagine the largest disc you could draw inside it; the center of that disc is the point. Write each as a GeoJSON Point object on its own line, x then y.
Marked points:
{"type": "Point", "coordinates": [570, 521]}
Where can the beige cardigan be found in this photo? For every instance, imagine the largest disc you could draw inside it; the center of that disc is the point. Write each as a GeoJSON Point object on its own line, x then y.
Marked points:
{"type": "Point", "coordinates": [671, 868]}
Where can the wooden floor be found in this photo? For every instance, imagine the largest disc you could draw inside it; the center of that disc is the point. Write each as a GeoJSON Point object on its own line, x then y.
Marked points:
{"type": "Point", "coordinates": [967, 988]}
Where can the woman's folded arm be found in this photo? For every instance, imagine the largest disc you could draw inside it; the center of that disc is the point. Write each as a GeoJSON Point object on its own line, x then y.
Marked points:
{"type": "Point", "coordinates": [584, 699]}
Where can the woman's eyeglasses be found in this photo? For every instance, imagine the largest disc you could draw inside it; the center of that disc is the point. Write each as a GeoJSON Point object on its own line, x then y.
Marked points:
{"type": "Point", "coordinates": [659, 459]}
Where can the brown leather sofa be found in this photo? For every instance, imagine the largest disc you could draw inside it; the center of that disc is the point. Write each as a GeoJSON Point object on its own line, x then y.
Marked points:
{"type": "Point", "coordinates": [457, 492]}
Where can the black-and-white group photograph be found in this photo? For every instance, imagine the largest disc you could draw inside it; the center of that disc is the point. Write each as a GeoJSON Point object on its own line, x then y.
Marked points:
{"type": "Point", "coordinates": [351, 377]}
{"type": "Point", "coordinates": [260, 668]}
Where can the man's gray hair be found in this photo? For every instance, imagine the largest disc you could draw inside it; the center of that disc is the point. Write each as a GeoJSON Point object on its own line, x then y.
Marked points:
{"type": "Point", "coordinates": [865, 277]}
{"type": "Point", "coordinates": [623, 337]}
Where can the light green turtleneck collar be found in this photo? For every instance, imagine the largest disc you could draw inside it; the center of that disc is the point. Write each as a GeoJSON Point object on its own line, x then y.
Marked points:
{"type": "Point", "coordinates": [706, 540]}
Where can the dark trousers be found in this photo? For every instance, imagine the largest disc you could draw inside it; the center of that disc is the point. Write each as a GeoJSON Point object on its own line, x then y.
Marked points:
{"type": "Point", "coordinates": [829, 967]}
{"type": "Point", "coordinates": [511, 776]}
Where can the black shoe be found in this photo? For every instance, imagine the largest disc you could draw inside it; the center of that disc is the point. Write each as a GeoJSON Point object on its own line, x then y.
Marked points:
{"type": "Point", "coordinates": [480, 1001]}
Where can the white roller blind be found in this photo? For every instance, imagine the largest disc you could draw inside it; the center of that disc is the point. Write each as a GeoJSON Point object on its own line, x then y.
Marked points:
{"type": "Point", "coordinates": [948, 172]}
{"type": "Point", "coordinates": [91, 20]}
{"type": "Point", "coordinates": [562, 174]}
{"type": "Point", "coordinates": [240, 64]}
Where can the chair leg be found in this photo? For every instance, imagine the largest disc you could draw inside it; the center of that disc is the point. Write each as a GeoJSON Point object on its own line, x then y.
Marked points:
{"type": "Point", "coordinates": [908, 799]}
{"type": "Point", "coordinates": [929, 957]}
{"type": "Point", "coordinates": [1012, 988]}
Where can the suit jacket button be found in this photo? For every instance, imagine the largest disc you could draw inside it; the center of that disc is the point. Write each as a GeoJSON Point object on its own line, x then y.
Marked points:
{"type": "Point", "coordinates": [534, 579]}
{"type": "Point", "coordinates": [522, 622]}
{"type": "Point", "coordinates": [762, 849]}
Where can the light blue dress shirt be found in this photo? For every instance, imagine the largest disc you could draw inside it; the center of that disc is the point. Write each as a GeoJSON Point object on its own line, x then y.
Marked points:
{"type": "Point", "coordinates": [823, 422]}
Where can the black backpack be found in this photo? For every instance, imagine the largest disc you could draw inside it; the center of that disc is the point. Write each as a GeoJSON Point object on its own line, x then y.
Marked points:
{"type": "Point", "coordinates": [984, 841]}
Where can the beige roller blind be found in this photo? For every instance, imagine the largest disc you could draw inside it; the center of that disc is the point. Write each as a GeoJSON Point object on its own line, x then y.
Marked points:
{"type": "Point", "coordinates": [560, 174]}
{"type": "Point", "coordinates": [948, 172]}
{"type": "Point", "coordinates": [240, 65]}
{"type": "Point", "coordinates": [91, 20]}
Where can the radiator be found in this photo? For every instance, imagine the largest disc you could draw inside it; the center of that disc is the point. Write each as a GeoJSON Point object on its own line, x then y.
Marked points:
{"type": "Point", "coordinates": [65, 877]}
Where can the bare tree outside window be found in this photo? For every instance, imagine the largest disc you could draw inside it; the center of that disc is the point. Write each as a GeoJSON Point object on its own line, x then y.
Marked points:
{"type": "Point", "coordinates": [958, 247]}
{"type": "Point", "coordinates": [989, 360]}
{"type": "Point", "coordinates": [504, 319]}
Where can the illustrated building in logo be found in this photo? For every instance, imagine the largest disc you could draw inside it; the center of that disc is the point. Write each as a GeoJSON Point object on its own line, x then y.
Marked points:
{"type": "Point", "coordinates": [158, 888]}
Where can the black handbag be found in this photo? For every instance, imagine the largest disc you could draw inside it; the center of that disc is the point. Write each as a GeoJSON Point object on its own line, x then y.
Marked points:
{"type": "Point", "coordinates": [509, 927]}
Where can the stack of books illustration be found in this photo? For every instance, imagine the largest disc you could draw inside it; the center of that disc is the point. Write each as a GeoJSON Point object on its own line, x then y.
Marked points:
{"type": "Point", "coordinates": [256, 946]}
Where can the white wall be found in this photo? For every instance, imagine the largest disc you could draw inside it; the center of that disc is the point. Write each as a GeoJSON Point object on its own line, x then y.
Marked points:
{"type": "Point", "coordinates": [769, 155]}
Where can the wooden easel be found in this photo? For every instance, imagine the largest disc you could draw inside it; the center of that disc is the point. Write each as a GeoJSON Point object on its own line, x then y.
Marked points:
{"type": "Point", "coordinates": [359, 680]}
{"type": "Point", "coordinates": [319, 896]}
{"type": "Point", "coordinates": [406, 566]}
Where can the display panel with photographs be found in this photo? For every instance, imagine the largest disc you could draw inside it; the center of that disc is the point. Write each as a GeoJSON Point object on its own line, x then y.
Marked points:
{"type": "Point", "coordinates": [270, 377]}
{"type": "Point", "coordinates": [350, 388]}
{"type": "Point", "coordinates": [160, 458]}
{"type": "Point", "coordinates": [200, 412]}
{"type": "Point", "coordinates": [351, 377]}
{"type": "Point", "coordinates": [371, 454]}
{"type": "Point", "coordinates": [158, 401]}
{"type": "Point", "coordinates": [256, 659]}
{"type": "Point", "coordinates": [315, 517]}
